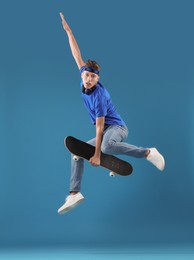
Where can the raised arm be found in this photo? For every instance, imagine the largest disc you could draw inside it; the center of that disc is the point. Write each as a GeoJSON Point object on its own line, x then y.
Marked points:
{"type": "Point", "coordinates": [73, 44]}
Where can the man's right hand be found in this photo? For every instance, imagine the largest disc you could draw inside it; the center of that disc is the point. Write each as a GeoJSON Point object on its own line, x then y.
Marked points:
{"type": "Point", "coordinates": [64, 23]}
{"type": "Point", "coordinates": [72, 42]}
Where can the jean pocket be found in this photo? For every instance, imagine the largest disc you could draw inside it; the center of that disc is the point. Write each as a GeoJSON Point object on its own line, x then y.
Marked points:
{"type": "Point", "coordinates": [123, 130]}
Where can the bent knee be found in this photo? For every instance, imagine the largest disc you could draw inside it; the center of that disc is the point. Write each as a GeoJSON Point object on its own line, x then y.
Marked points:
{"type": "Point", "coordinates": [107, 148]}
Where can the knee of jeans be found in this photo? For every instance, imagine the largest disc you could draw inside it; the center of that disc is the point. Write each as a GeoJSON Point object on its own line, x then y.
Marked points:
{"type": "Point", "coordinates": [107, 148]}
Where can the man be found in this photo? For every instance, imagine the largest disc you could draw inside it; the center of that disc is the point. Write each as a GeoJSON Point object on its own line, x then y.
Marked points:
{"type": "Point", "coordinates": [111, 130]}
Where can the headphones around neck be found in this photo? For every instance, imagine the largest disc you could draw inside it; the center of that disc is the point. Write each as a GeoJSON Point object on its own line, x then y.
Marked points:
{"type": "Point", "coordinates": [88, 91]}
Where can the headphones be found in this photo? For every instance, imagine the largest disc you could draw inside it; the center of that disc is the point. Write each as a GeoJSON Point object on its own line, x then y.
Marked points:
{"type": "Point", "coordinates": [88, 91]}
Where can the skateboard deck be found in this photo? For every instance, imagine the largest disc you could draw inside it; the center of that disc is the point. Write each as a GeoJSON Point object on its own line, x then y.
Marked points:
{"type": "Point", "coordinates": [86, 151]}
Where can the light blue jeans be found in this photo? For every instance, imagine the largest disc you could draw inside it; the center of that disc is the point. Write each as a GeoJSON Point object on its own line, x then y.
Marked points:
{"type": "Point", "coordinates": [112, 143]}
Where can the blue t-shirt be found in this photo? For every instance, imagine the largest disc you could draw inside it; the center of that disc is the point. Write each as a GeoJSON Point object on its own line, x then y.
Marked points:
{"type": "Point", "coordinates": [99, 104]}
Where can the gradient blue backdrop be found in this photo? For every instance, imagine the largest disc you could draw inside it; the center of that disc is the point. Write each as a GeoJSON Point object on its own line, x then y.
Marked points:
{"type": "Point", "coordinates": [145, 49]}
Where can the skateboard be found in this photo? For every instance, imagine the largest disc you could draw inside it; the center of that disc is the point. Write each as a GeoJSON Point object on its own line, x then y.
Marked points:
{"type": "Point", "coordinates": [85, 151]}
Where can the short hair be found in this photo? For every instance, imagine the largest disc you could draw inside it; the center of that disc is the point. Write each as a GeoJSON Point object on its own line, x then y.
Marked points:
{"type": "Point", "coordinates": [93, 64]}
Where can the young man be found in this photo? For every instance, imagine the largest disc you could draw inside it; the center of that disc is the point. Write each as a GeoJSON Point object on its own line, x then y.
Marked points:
{"type": "Point", "coordinates": [111, 130]}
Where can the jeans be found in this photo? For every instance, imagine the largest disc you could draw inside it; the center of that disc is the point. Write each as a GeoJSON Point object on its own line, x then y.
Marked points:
{"type": "Point", "coordinates": [112, 143]}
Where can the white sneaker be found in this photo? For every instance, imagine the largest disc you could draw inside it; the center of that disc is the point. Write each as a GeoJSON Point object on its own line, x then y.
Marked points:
{"type": "Point", "coordinates": [71, 202]}
{"type": "Point", "coordinates": [156, 158]}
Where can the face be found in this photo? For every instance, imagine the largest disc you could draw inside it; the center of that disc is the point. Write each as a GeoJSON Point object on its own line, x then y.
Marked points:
{"type": "Point", "coordinates": [89, 79]}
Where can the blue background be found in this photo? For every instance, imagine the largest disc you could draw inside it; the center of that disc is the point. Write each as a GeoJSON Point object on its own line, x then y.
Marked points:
{"type": "Point", "coordinates": [145, 49]}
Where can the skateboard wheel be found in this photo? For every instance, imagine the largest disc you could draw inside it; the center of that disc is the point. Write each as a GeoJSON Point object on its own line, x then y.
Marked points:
{"type": "Point", "coordinates": [75, 158]}
{"type": "Point", "coordinates": [112, 174]}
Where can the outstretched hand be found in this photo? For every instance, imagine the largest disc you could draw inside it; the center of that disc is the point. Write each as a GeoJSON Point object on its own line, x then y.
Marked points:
{"type": "Point", "coordinates": [64, 23]}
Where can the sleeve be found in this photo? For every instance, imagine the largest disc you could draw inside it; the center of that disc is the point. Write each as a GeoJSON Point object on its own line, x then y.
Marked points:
{"type": "Point", "coordinates": [82, 69]}
{"type": "Point", "coordinates": [100, 106]}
